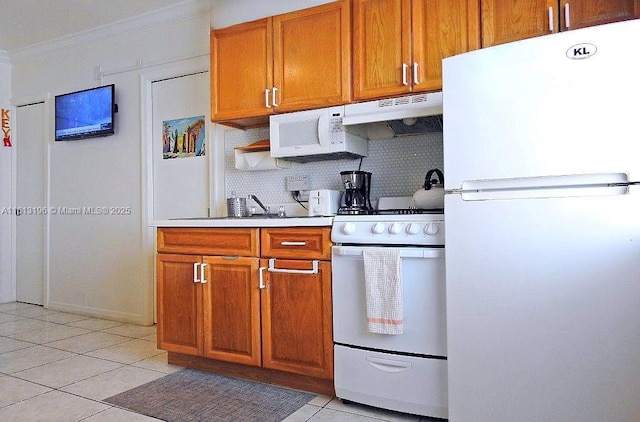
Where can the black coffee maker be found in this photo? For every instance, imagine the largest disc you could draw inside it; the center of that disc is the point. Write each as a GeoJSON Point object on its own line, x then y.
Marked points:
{"type": "Point", "coordinates": [357, 188]}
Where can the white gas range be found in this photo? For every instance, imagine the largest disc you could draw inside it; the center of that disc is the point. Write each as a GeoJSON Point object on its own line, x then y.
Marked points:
{"type": "Point", "coordinates": [406, 372]}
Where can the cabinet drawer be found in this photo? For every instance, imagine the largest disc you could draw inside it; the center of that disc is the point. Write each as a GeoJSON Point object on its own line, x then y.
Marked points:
{"type": "Point", "coordinates": [297, 243]}
{"type": "Point", "coordinates": [209, 241]}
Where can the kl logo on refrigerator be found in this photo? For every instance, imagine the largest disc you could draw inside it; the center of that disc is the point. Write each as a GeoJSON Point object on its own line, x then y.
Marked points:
{"type": "Point", "coordinates": [6, 127]}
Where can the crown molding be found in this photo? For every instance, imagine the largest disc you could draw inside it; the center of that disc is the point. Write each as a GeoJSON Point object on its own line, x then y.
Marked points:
{"type": "Point", "coordinates": [150, 20]}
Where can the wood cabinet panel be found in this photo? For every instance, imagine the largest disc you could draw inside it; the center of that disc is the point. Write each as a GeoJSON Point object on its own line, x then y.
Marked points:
{"type": "Point", "coordinates": [312, 57]}
{"type": "Point", "coordinates": [288, 62]}
{"type": "Point", "coordinates": [178, 304]}
{"type": "Point", "coordinates": [398, 45]}
{"type": "Point", "coordinates": [241, 70]}
{"type": "Point", "coordinates": [297, 333]}
{"type": "Point", "coordinates": [209, 241]}
{"type": "Point", "coordinates": [381, 44]}
{"type": "Point", "coordinates": [231, 304]}
{"type": "Point", "coordinates": [441, 29]}
{"type": "Point", "coordinates": [585, 13]}
{"type": "Point", "coordinates": [504, 22]}
{"type": "Point", "coordinates": [296, 243]}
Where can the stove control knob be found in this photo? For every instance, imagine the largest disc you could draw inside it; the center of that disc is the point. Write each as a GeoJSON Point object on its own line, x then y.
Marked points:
{"type": "Point", "coordinates": [395, 228]}
{"type": "Point", "coordinates": [377, 228]}
{"type": "Point", "coordinates": [413, 228]}
{"type": "Point", "coordinates": [348, 228]}
{"type": "Point", "coordinates": [431, 228]}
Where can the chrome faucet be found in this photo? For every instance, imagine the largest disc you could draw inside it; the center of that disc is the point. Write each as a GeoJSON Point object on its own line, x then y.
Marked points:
{"type": "Point", "coordinates": [255, 198]}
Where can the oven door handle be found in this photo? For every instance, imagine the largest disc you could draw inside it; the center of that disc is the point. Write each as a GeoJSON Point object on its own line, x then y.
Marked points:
{"type": "Point", "coordinates": [272, 268]}
{"type": "Point", "coordinates": [404, 252]}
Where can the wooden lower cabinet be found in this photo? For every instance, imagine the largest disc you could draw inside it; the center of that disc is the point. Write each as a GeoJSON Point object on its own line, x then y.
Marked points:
{"type": "Point", "coordinates": [230, 313]}
{"type": "Point", "coordinates": [297, 319]}
{"type": "Point", "coordinates": [179, 304]}
{"type": "Point", "coordinates": [219, 317]}
{"type": "Point", "coordinates": [231, 310]}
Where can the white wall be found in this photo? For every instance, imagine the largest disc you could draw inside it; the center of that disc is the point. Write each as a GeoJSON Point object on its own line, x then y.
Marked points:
{"type": "Point", "coordinates": [7, 292]}
{"type": "Point", "coordinates": [102, 265]}
{"type": "Point", "coordinates": [230, 12]}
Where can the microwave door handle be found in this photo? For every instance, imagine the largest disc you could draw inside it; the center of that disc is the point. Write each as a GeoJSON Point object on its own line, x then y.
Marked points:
{"type": "Point", "coordinates": [323, 129]}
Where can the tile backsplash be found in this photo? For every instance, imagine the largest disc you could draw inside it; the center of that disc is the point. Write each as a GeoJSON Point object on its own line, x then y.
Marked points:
{"type": "Point", "coordinates": [398, 167]}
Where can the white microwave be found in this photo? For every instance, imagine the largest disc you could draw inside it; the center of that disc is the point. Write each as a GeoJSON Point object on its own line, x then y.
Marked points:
{"type": "Point", "coordinates": [314, 135]}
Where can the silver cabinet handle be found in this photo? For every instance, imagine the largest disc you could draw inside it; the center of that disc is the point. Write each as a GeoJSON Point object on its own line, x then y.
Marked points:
{"type": "Point", "coordinates": [202, 279]}
{"type": "Point", "coordinates": [550, 19]}
{"type": "Point", "coordinates": [273, 97]}
{"type": "Point", "coordinates": [266, 98]}
{"type": "Point", "coordinates": [567, 16]}
{"type": "Point", "coordinates": [261, 285]}
{"type": "Point", "coordinates": [195, 272]}
{"type": "Point", "coordinates": [272, 268]}
{"type": "Point", "coordinates": [415, 73]}
{"type": "Point", "coordinates": [405, 67]}
{"type": "Point", "coordinates": [285, 243]}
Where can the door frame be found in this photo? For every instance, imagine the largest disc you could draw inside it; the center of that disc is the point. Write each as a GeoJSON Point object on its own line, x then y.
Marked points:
{"type": "Point", "coordinates": [45, 99]}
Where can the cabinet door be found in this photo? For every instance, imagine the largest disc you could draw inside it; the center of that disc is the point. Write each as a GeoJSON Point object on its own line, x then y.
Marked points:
{"type": "Point", "coordinates": [178, 304]}
{"type": "Point", "coordinates": [381, 48]}
{"type": "Point", "coordinates": [506, 21]}
{"type": "Point", "coordinates": [241, 70]}
{"type": "Point", "coordinates": [441, 28]}
{"type": "Point", "coordinates": [297, 333]}
{"type": "Point", "coordinates": [583, 13]}
{"type": "Point", "coordinates": [231, 304]}
{"type": "Point", "coordinates": [312, 57]}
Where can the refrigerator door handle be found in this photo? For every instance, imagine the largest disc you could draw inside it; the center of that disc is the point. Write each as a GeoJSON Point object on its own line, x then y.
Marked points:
{"type": "Point", "coordinates": [546, 187]}
{"type": "Point", "coordinates": [571, 180]}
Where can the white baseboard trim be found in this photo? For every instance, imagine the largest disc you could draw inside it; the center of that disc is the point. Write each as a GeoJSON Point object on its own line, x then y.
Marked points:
{"type": "Point", "coordinates": [126, 317]}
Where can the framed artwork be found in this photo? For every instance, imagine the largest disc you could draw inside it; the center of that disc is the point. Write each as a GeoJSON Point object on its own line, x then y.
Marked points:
{"type": "Point", "coordinates": [183, 138]}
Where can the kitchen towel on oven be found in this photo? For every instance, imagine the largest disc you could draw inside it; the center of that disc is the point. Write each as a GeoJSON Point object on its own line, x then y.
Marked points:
{"type": "Point", "coordinates": [383, 281]}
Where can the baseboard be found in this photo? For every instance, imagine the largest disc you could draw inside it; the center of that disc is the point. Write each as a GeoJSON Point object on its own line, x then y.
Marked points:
{"type": "Point", "coordinates": [99, 313]}
{"type": "Point", "coordinates": [253, 373]}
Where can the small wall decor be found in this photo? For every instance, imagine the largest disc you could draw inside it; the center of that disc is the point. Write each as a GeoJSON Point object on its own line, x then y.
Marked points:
{"type": "Point", "coordinates": [6, 127]}
{"type": "Point", "coordinates": [182, 138]}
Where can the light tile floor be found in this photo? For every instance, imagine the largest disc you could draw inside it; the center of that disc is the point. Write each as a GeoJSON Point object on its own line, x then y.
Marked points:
{"type": "Point", "coordinates": [57, 366]}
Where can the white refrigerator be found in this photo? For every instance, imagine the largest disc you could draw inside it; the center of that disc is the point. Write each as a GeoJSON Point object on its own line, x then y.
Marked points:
{"type": "Point", "coordinates": [542, 164]}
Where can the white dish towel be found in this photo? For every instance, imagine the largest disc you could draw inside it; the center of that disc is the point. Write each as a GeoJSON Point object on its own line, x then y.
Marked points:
{"type": "Point", "coordinates": [383, 280]}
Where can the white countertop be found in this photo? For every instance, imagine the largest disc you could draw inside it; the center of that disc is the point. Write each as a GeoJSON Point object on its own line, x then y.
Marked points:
{"type": "Point", "coordinates": [245, 222]}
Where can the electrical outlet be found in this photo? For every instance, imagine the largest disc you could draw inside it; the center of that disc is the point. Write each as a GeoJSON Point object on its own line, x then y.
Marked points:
{"type": "Point", "coordinates": [297, 183]}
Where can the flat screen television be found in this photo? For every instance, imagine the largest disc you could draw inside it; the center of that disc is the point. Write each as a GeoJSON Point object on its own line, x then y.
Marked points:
{"type": "Point", "coordinates": [85, 114]}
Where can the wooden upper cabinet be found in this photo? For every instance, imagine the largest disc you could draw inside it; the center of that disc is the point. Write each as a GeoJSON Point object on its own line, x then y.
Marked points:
{"type": "Point", "coordinates": [381, 47]}
{"type": "Point", "coordinates": [504, 22]}
{"type": "Point", "coordinates": [294, 61]}
{"type": "Point", "coordinates": [241, 70]}
{"type": "Point", "coordinates": [583, 13]}
{"type": "Point", "coordinates": [312, 57]}
{"type": "Point", "coordinates": [441, 28]}
{"type": "Point", "coordinates": [398, 45]}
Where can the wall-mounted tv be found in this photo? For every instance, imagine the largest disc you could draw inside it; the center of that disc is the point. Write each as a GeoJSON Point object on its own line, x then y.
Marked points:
{"type": "Point", "coordinates": [85, 114]}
